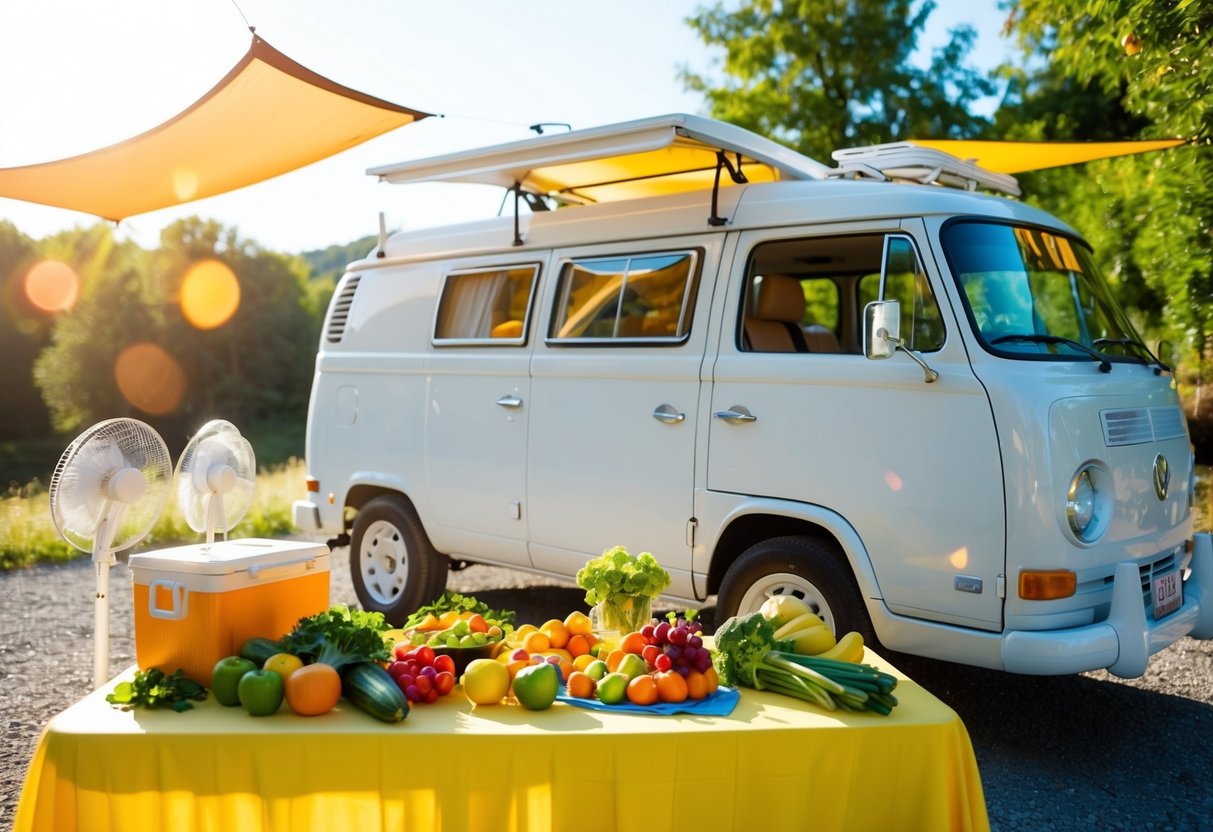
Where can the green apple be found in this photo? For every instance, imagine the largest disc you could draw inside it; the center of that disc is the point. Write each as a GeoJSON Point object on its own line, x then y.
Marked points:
{"type": "Point", "coordinates": [596, 669]}
{"type": "Point", "coordinates": [632, 665]}
{"type": "Point", "coordinates": [612, 688]}
{"type": "Point", "coordinates": [226, 676]}
{"type": "Point", "coordinates": [260, 692]}
{"type": "Point", "coordinates": [536, 686]}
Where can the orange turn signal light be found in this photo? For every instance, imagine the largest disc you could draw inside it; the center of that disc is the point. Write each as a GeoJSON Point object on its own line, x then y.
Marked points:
{"type": "Point", "coordinates": [313, 485]}
{"type": "Point", "coordinates": [1046, 584]}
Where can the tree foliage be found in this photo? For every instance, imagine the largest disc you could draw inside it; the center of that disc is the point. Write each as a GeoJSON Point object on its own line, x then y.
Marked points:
{"type": "Point", "coordinates": [255, 366]}
{"type": "Point", "coordinates": [24, 331]}
{"type": "Point", "coordinates": [823, 74]}
{"type": "Point", "coordinates": [1150, 217]}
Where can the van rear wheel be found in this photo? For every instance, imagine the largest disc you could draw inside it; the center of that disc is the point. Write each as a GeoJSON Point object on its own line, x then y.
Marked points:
{"type": "Point", "coordinates": [812, 569]}
{"type": "Point", "coordinates": [395, 568]}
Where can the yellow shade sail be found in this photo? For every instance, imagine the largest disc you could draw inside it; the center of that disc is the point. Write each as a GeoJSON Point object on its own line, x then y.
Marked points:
{"type": "Point", "coordinates": [1019, 157]}
{"type": "Point", "coordinates": [267, 116]}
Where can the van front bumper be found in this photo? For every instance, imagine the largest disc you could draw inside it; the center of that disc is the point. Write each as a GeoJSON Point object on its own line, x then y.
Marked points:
{"type": "Point", "coordinates": [1123, 642]}
{"type": "Point", "coordinates": [305, 515]}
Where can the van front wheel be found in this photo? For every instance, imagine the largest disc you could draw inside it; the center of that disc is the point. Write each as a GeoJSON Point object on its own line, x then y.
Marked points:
{"type": "Point", "coordinates": [809, 568]}
{"type": "Point", "coordinates": [395, 568]}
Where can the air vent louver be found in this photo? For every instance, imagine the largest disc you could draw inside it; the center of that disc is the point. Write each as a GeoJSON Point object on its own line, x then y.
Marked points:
{"type": "Point", "coordinates": [1137, 425]}
{"type": "Point", "coordinates": [341, 310]}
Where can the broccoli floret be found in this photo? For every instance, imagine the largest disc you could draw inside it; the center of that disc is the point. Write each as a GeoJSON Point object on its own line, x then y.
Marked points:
{"type": "Point", "coordinates": [742, 644]}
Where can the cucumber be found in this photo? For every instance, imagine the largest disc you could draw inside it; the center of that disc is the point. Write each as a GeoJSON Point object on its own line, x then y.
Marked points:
{"type": "Point", "coordinates": [258, 649]}
{"type": "Point", "coordinates": [369, 686]}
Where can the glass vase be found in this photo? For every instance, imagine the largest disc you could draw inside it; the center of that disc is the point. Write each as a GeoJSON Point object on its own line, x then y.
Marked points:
{"type": "Point", "coordinates": [625, 613]}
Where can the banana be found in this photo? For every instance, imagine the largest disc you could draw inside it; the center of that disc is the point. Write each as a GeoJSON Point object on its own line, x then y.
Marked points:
{"type": "Point", "coordinates": [780, 609]}
{"type": "Point", "coordinates": [801, 622]}
{"type": "Point", "coordinates": [848, 649]}
{"type": "Point", "coordinates": [813, 641]}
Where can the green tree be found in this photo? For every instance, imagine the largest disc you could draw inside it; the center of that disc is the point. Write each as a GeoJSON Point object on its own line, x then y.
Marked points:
{"type": "Point", "coordinates": [823, 74]}
{"type": "Point", "coordinates": [256, 365]}
{"type": "Point", "coordinates": [1150, 217]}
{"type": "Point", "coordinates": [24, 331]}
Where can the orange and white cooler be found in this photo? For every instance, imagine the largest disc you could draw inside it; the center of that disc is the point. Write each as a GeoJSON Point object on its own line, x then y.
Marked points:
{"type": "Point", "coordinates": [197, 604]}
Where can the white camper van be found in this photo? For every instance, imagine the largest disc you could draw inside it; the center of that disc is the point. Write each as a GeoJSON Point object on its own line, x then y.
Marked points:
{"type": "Point", "coordinates": [916, 406]}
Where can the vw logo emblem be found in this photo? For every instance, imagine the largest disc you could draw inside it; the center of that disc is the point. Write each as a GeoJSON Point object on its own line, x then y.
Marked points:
{"type": "Point", "coordinates": [1162, 476]}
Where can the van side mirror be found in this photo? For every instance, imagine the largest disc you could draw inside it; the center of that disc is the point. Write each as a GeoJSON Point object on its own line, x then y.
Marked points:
{"type": "Point", "coordinates": [882, 335]}
{"type": "Point", "coordinates": [881, 328]}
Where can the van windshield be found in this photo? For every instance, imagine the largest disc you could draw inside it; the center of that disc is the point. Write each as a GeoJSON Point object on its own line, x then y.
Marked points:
{"type": "Point", "coordinates": [1035, 294]}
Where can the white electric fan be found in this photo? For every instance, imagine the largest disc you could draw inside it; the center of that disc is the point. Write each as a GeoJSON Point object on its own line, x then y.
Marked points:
{"type": "Point", "coordinates": [215, 479]}
{"type": "Point", "coordinates": [106, 493]}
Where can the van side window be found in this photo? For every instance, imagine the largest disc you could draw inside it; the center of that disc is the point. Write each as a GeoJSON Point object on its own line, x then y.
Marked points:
{"type": "Point", "coordinates": [800, 294]}
{"type": "Point", "coordinates": [490, 305]}
{"type": "Point", "coordinates": [906, 281]}
{"type": "Point", "coordinates": [647, 297]}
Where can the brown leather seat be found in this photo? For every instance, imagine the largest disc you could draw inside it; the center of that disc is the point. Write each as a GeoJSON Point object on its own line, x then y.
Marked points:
{"type": "Point", "coordinates": [774, 321]}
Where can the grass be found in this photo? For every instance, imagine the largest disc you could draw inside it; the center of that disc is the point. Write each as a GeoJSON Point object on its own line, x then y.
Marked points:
{"type": "Point", "coordinates": [28, 536]}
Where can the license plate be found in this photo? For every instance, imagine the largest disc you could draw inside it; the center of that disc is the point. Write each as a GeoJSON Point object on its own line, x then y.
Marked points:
{"type": "Point", "coordinates": [1168, 594]}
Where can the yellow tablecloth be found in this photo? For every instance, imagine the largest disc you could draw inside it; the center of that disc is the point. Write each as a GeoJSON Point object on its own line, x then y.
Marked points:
{"type": "Point", "coordinates": [773, 764]}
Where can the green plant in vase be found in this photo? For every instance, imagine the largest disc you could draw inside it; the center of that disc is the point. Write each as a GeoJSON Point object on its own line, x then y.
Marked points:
{"type": "Point", "coordinates": [622, 587]}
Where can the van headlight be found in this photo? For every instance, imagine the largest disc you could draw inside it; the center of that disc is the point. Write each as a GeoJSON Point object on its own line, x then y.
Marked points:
{"type": "Point", "coordinates": [1087, 503]}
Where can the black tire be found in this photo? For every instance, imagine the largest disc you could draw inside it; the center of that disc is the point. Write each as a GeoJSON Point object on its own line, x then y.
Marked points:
{"type": "Point", "coordinates": [395, 568]}
{"type": "Point", "coordinates": [811, 568]}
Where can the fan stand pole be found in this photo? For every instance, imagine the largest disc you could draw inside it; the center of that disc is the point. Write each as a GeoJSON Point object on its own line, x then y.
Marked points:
{"type": "Point", "coordinates": [103, 558]}
{"type": "Point", "coordinates": [101, 624]}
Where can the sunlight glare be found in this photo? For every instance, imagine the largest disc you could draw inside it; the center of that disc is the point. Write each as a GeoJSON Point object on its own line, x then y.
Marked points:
{"type": "Point", "coordinates": [149, 378]}
{"type": "Point", "coordinates": [892, 480]}
{"type": "Point", "coordinates": [185, 184]}
{"type": "Point", "coordinates": [210, 294]}
{"type": "Point", "coordinates": [960, 558]}
{"type": "Point", "coordinates": [52, 286]}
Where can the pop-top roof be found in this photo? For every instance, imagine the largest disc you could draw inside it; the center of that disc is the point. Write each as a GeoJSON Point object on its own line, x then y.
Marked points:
{"type": "Point", "coordinates": [650, 157]}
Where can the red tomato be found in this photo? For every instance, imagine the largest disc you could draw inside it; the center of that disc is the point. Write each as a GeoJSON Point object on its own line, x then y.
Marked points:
{"type": "Point", "coordinates": [444, 663]}
{"type": "Point", "coordinates": [425, 656]}
{"type": "Point", "coordinates": [423, 684]}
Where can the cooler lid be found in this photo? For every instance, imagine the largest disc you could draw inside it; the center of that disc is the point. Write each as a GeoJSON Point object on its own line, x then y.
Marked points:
{"type": "Point", "coordinates": [227, 557]}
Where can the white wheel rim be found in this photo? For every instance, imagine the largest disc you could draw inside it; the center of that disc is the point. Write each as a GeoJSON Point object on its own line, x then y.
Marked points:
{"type": "Point", "coordinates": [383, 562]}
{"type": "Point", "coordinates": [786, 583]}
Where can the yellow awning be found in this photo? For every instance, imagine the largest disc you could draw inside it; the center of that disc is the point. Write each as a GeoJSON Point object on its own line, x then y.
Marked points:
{"type": "Point", "coordinates": [269, 115]}
{"type": "Point", "coordinates": [1018, 157]}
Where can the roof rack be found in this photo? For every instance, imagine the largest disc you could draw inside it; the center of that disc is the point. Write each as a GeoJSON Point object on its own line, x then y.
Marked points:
{"type": "Point", "coordinates": [908, 162]}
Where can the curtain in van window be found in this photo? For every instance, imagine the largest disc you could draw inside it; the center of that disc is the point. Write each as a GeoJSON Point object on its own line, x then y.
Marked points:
{"type": "Point", "coordinates": [468, 304]}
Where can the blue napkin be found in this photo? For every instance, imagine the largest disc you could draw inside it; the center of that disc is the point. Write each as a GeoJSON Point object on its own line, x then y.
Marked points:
{"type": "Point", "coordinates": [720, 703]}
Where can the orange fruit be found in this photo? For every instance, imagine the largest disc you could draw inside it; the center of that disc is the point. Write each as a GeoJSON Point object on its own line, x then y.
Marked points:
{"type": "Point", "coordinates": [613, 659]}
{"type": "Point", "coordinates": [430, 622]}
{"type": "Point", "coordinates": [284, 664]}
{"type": "Point", "coordinates": [536, 642]}
{"type": "Point", "coordinates": [578, 624]}
{"type": "Point", "coordinates": [642, 690]}
{"type": "Point", "coordinates": [514, 665]}
{"type": "Point", "coordinates": [697, 685]}
{"type": "Point", "coordinates": [713, 680]}
{"type": "Point", "coordinates": [633, 643]}
{"type": "Point", "coordinates": [583, 661]}
{"type": "Point", "coordinates": [578, 646]}
{"type": "Point", "coordinates": [671, 687]}
{"type": "Point", "coordinates": [313, 689]}
{"type": "Point", "coordinates": [581, 685]}
{"type": "Point", "coordinates": [522, 631]}
{"type": "Point", "coordinates": [556, 632]}
{"type": "Point", "coordinates": [477, 624]}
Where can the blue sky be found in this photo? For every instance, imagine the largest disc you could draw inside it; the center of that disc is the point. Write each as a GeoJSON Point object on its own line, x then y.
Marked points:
{"type": "Point", "coordinates": [76, 75]}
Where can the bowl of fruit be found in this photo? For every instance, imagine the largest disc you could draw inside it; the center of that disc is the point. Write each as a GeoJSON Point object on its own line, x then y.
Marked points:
{"type": "Point", "coordinates": [463, 641]}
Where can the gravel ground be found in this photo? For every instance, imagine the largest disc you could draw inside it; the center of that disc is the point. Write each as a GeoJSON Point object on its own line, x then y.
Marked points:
{"type": "Point", "coordinates": [1089, 752]}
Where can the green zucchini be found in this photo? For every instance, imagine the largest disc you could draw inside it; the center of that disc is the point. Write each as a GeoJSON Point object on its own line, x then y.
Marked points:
{"type": "Point", "coordinates": [369, 686]}
{"type": "Point", "coordinates": [258, 649]}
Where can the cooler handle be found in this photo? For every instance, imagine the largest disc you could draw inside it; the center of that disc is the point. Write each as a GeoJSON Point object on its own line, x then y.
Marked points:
{"type": "Point", "coordinates": [180, 599]}
{"type": "Point", "coordinates": [259, 570]}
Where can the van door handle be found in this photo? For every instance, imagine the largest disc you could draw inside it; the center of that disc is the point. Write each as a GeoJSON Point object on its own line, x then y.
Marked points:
{"type": "Point", "coordinates": [668, 414]}
{"type": "Point", "coordinates": [510, 401]}
{"type": "Point", "coordinates": [735, 414]}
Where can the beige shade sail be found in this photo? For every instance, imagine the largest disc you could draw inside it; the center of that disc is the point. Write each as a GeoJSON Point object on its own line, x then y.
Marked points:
{"type": "Point", "coordinates": [1019, 157]}
{"type": "Point", "coordinates": [269, 115]}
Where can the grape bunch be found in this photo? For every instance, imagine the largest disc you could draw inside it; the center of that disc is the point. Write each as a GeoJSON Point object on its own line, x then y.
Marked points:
{"type": "Point", "coordinates": [676, 644]}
